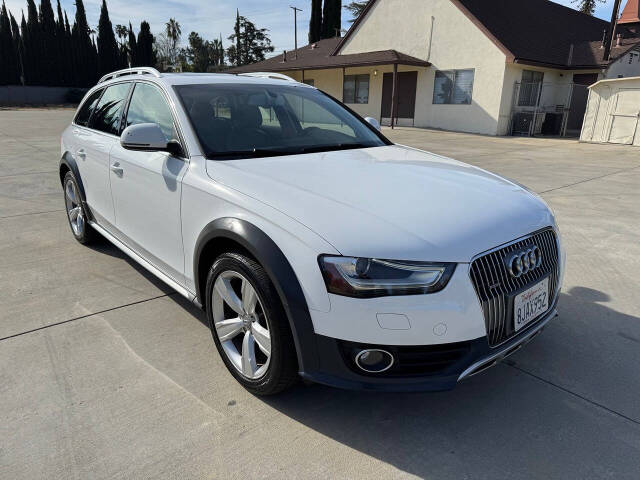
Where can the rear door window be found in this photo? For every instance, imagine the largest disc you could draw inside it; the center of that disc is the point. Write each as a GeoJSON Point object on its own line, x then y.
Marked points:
{"type": "Point", "coordinates": [108, 113]}
{"type": "Point", "coordinates": [83, 115]}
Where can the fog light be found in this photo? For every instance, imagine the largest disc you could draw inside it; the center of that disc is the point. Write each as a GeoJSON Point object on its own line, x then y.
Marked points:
{"type": "Point", "coordinates": [374, 360]}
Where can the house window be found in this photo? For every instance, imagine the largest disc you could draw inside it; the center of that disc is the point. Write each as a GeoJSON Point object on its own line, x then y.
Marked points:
{"type": "Point", "coordinates": [454, 87]}
{"type": "Point", "coordinates": [530, 88]}
{"type": "Point", "coordinates": [356, 89]}
{"type": "Point", "coordinates": [633, 56]}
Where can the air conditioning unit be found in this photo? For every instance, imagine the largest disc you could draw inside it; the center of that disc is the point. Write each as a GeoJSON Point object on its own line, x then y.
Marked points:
{"type": "Point", "coordinates": [522, 123]}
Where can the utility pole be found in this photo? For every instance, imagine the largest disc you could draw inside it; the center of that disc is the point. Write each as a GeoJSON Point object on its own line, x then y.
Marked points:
{"type": "Point", "coordinates": [612, 30]}
{"type": "Point", "coordinates": [295, 27]}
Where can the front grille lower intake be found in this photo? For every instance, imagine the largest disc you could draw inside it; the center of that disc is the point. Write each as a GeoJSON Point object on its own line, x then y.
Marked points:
{"type": "Point", "coordinates": [496, 287]}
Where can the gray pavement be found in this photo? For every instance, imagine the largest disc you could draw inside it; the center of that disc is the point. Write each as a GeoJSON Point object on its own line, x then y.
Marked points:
{"type": "Point", "coordinates": [107, 373]}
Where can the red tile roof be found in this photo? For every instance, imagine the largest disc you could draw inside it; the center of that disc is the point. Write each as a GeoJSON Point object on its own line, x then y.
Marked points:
{"type": "Point", "coordinates": [630, 12]}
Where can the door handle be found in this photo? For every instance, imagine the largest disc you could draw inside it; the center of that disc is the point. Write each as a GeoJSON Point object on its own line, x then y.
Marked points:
{"type": "Point", "coordinates": [117, 169]}
{"type": "Point", "coordinates": [82, 154]}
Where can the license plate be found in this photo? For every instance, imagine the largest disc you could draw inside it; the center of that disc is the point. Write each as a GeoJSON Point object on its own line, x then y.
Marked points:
{"type": "Point", "coordinates": [530, 304]}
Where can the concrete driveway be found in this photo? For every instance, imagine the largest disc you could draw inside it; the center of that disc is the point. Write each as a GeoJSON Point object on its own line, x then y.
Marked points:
{"type": "Point", "coordinates": [107, 373]}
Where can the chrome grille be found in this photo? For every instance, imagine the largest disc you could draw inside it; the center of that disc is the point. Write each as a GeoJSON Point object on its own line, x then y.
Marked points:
{"type": "Point", "coordinates": [495, 287]}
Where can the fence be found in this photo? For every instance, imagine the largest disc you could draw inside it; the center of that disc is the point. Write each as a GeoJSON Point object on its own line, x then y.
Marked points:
{"type": "Point", "coordinates": [17, 95]}
{"type": "Point", "coordinates": [548, 108]}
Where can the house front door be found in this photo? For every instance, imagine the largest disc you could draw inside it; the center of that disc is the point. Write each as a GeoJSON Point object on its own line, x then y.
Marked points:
{"type": "Point", "coordinates": [407, 83]}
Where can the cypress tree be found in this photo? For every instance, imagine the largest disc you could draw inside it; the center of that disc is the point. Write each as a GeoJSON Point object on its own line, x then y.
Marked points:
{"type": "Point", "coordinates": [84, 54]}
{"type": "Point", "coordinates": [8, 57]}
{"type": "Point", "coordinates": [133, 47]}
{"type": "Point", "coordinates": [49, 51]}
{"type": "Point", "coordinates": [108, 54]}
{"type": "Point", "coordinates": [61, 48]}
{"type": "Point", "coordinates": [145, 46]}
{"type": "Point", "coordinates": [238, 35]}
{"type": "Point", "coordinates": [315, 24]}
{"type": "Point", "coordinates": [25, 59]}
{"type": "Point", "coordinates": [31, 36]}
{"type": "Point", "coordinates": [18, 48]}
{"type": "Point", "coordinates": [66, 25]}
{"type": "Point", "coordinates": [331, 18]}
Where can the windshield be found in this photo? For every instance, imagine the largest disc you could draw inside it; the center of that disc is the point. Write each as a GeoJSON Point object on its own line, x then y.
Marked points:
{"type": "Point", "coordinates": [239, 120]}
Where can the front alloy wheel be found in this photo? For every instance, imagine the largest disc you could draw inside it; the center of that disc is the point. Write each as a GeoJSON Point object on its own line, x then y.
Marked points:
{"type": "Point", "coordinates": [241, 324]}
{"type": "Point", "coordinates": [249, 325]}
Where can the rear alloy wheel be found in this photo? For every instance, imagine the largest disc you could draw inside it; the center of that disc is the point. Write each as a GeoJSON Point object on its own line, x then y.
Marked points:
{"type": "Point", "coordinates": [249, 325]}
{"type": "Point", "coordinates": [76, 213]}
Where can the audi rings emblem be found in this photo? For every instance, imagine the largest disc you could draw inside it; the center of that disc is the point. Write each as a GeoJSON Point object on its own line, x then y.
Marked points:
{"type": "Point", "coordinates": [524, 261]}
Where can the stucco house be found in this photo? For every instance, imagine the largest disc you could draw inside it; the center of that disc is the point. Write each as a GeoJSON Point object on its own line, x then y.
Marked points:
{"type": "Point", "coordinates": [494, 67]}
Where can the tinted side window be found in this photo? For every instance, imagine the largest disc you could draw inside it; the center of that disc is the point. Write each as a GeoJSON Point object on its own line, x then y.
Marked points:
{"type": "Point", "coordinates": [148, 105]}
{"type": "Point", "coordinates": [82, 117]}
{"type": "Point", "coordinates": [106, 116]}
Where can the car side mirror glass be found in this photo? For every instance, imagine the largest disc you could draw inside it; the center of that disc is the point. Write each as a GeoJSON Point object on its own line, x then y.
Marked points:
{"type": "Point", "coordinates": [144, 136]}
{"type": "Point", "coordinates": [373, 122]}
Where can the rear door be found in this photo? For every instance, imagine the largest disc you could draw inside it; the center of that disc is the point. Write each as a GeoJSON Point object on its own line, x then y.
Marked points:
{"type": "Point", "coordinates": [81, 133]}
{"type": "Point", "coordinates": [147, 186]}
{"type": "Point", "coordinates": [95, 145]}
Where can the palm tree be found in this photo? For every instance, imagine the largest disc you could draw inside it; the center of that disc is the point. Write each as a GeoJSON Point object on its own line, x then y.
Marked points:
{"type": "Point", "coordinates": [173, 34]}
{"type": "Point", "coordinates": [122, 32]}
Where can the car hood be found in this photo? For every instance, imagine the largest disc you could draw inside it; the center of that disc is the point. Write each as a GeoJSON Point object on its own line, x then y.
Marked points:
{"type": "Point", "coordinates": [391, 202]}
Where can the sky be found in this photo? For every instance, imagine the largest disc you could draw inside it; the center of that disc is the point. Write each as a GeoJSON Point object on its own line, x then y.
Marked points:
{"type": "Point", "coordinates": [210, 18]}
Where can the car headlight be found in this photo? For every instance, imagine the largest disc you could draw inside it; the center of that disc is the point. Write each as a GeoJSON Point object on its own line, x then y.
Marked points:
{"type": "Point", "coordinates": [373, 277]}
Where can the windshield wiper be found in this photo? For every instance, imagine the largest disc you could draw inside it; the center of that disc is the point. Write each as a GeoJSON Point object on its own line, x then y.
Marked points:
{"type": "Point", "coordinates": [338, 146]}
{"type": "Point", "coordinates": [272, 152]}
{"type": "Point", "coordinates": [254, 153]}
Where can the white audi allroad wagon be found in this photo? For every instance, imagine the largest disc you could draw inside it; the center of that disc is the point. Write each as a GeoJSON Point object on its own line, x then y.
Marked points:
{"type": "Point", "coordinates": [317, 247]}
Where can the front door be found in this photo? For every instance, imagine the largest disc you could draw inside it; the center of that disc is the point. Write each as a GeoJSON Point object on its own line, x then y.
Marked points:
{"type": "Point", "coordinates": [147, 186]}
{"type": "Point", "coordinates": [407, 83]}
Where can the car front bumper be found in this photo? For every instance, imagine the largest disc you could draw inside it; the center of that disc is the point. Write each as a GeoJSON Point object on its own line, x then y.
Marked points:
{"type": "Point", "coordinates": [335, 370]}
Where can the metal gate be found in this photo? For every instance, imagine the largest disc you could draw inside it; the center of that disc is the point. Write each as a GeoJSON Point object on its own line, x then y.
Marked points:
{"type": "Point", "coordinates": [547, 108]}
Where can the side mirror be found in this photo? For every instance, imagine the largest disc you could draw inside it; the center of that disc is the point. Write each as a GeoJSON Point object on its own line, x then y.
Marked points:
{"type": "Point", "coordinates": [373, 122]}
{"type": "Point", "coordinates": [147, 137]}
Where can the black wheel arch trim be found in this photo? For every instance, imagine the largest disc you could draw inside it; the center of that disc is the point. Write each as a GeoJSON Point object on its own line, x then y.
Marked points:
{"type": "Point", "coordinates": [280, 272]}
{"type": "Point", "coordinates": [69, 162]}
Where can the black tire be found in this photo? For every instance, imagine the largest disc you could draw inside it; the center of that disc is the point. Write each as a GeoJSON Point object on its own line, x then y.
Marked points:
{"type": "Point", "coordinates": [282, 371]}
{"type": "Point", "coordinates": [85, 235]}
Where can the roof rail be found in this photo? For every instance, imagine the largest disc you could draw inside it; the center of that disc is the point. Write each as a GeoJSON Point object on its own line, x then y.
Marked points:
{"type": "Point", "coordinates": [276, 76]}
{"type": "Point", "coordinates": [131, 71]}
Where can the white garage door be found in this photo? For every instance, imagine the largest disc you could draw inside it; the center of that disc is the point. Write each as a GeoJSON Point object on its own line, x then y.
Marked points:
{"type": "Point", "coordinates": [624, 121]}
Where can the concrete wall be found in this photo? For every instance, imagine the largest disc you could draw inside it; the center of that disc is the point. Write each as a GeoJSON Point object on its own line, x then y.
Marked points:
{"type": "Point", "coordinates": [16, 95]}
{"type": "Point", "coordinates": [623, 67]}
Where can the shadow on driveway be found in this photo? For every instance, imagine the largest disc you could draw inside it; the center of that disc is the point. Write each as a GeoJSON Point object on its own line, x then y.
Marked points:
{"type": "Point", "coordinates": [500, 424]}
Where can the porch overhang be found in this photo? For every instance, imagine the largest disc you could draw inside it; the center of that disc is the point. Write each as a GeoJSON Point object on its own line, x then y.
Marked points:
{"type": "Point", "coordinates": [307, 58]}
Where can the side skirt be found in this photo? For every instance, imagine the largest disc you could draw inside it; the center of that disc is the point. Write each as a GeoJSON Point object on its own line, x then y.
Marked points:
{"type": "Point", "coordinates": [143, 262]}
